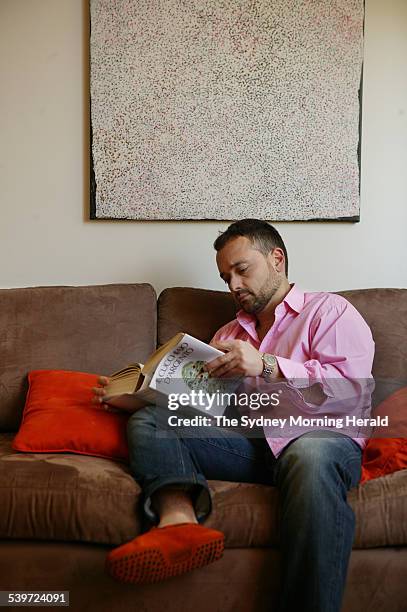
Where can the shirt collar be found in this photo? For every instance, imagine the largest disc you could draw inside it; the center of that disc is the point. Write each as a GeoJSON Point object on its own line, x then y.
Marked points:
{"type": "Point", "coordinates": [294, 299]}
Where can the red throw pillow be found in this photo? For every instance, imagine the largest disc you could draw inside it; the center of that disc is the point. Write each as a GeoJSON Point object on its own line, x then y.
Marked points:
{"type": "Point", "coordinates": [59, 417]}
{"type": "Point", "coordinates": [386, 451]}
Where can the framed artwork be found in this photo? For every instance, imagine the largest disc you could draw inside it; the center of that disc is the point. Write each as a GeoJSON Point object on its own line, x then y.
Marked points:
{"type": "Point", "coordinates": [225, 109]}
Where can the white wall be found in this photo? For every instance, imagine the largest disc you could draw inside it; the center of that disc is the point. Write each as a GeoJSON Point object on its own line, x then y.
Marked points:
{"type": "Point", "coordinates": [45, 236]}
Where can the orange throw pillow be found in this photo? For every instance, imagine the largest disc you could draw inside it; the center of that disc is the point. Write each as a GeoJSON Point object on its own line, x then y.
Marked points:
{"type": "Point", "coordinates": [386, 451]}
{"type": "Point", "coordinates": [59, 417]}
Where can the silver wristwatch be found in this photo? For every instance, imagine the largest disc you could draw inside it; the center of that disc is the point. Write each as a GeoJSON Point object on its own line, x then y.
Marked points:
{"type": "Point", "coordinates": [269, 365]}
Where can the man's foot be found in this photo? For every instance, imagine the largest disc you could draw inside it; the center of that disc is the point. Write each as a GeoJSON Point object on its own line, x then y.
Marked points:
{"type": "Point", "coordinates": [164, 552]}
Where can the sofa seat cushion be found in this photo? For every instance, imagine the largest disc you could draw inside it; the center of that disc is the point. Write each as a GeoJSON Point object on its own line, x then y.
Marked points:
{"type": "Point", "coordinates": [62, 496]}
{"type": "Point", "coordinates": [249, 513]}
{"type": "Point", "coordinates": [380, 507]}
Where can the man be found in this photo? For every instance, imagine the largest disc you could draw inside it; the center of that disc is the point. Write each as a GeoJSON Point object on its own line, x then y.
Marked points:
{"type": "Point", "coordinates": [307, 341]}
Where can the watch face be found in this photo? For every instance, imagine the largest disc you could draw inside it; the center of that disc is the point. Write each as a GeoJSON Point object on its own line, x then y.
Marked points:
{"type": "Point", "coordinates": [269, 360]}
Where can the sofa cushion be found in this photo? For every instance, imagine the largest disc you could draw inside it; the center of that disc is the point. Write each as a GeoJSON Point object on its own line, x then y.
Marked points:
{"type": "Point", "coordinates": [380, 507]}
{"type": "Point", "coordinates": [91, 329]}
{"type": "Point", "coordinates": [80, 498]}
{"type": "Point", "coordinates": [385, 311]}
{"type": "Point", "coordinates": [59, 416]}
{"type": "Point", "coordinates": [386, 451]}
{"type": "Point", "coordinates": [198, 312]}
{"type": "Point", "coordinates": [66, 497]}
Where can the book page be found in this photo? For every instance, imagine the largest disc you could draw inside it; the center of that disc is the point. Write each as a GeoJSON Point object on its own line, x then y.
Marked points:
{"type": "Point", "coordinates": [127, 380]}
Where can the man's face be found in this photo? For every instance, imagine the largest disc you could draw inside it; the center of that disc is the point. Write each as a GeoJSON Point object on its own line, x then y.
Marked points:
{"type": "Point", "coordinates": [251, 276]}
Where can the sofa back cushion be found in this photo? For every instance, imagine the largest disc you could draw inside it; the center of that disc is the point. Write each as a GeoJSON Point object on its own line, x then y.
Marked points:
{"type": "Point", "coordinates": [201, 312]}
{"type": "Point", "coordinates": [198, 312]}
{"type": "Point", "coordinates": [96, 329]}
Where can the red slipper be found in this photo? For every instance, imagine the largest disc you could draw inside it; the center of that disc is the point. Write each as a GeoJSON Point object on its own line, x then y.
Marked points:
{"type": "Point", "coordinates": [164, 552]}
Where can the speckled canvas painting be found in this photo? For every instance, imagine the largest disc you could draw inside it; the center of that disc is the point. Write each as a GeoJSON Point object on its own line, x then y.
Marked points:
{"type": "Point", "coordinates": [224, 109]}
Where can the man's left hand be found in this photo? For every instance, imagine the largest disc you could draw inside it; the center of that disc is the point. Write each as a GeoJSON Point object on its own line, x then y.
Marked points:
{"type": "Point", "coordinates": [240, 359]}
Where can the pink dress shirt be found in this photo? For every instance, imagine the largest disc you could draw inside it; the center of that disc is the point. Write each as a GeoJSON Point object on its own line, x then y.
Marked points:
{"type": "Point", "coordinates": [317, 338]}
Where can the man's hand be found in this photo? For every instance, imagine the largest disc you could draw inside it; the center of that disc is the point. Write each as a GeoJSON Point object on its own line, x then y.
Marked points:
{"type": "Point", "coordinates": [240, 359]}
{"type": "Point", "coordinates": [100, 392]}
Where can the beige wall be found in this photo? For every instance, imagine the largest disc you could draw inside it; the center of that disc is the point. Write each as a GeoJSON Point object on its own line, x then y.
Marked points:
{"type": "Point", "coordinates": [45, 236]}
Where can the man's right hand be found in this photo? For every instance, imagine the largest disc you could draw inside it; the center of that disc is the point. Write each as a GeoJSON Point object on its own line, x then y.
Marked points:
{"type": "Point", "coordinates": [100, 392]}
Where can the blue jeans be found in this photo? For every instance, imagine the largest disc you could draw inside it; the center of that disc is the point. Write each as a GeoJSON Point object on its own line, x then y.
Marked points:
{"type": "Point", "coordinates": [313, 474]}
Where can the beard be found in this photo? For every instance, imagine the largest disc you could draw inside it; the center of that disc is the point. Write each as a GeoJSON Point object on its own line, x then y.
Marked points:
{"type": "Point", "coordinates": [255, 302]}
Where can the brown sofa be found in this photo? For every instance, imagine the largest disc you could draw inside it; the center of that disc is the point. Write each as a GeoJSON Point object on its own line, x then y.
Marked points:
{"type": "Point", "coordinates": [61, 513]}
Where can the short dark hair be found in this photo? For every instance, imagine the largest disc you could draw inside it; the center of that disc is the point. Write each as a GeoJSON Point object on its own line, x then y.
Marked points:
{"type": "Point", "coordinates": [264, 236]}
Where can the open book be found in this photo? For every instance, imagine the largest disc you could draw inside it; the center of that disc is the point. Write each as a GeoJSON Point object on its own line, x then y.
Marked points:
{"type": "Point", "coordinates": [175, 368]}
